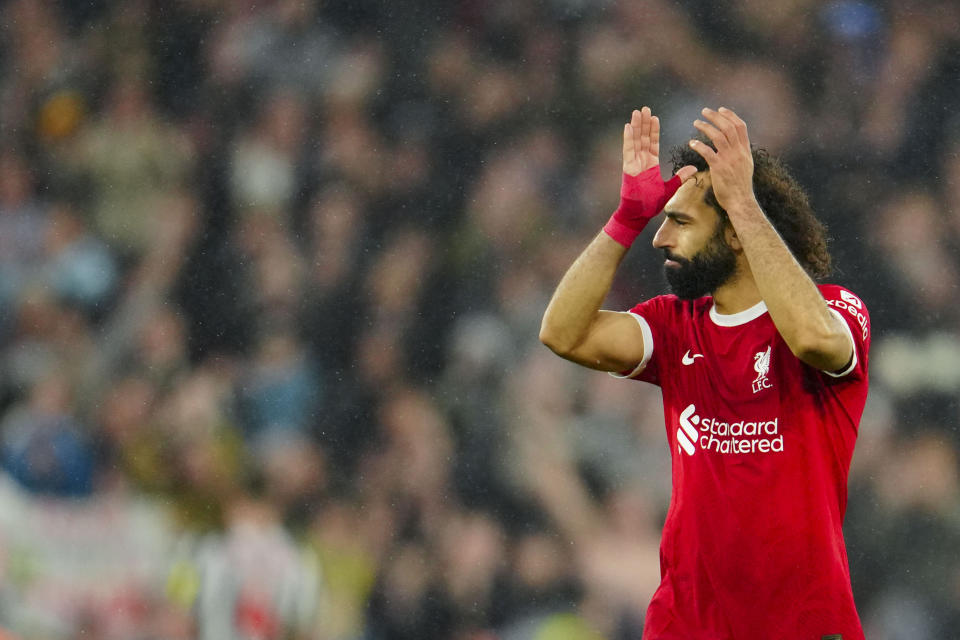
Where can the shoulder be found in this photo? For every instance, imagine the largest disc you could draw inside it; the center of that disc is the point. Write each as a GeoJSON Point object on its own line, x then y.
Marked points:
{"type": "Point", "coordinates": [844, 300]}
{"type": "Point", "coordinates": [838, 292]}
{"type": "Point", "coordinates": [670, 304]}
{"type": "Point", "coordinates": [848, 306]}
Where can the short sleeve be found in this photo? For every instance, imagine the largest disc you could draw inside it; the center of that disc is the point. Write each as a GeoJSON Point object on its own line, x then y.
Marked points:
{"type": "Point", "coordinates": [647, 348]}
{"type": "Point", "coordinates": [853, 312]}
{"type": "Point", "coordinates": [655, 317]}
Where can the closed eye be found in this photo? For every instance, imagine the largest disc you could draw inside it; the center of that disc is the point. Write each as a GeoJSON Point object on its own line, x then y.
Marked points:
{"type": "Point", "coordinates": [678, 218]}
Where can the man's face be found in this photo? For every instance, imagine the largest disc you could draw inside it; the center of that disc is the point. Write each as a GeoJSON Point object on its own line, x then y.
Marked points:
{"type": "Point", "coordinates": [693, 239]}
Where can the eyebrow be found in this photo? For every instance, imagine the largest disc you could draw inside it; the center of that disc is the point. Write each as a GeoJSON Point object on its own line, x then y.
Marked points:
{"type": "Point", "coordinates": [678, 216]}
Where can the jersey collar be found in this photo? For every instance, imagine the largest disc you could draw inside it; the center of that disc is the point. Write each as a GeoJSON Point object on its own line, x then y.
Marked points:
{"type": "Point", "coordinates": [739, 318]}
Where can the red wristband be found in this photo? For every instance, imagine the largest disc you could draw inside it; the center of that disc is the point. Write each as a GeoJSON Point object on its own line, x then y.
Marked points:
{"type": "Point", "coordinates": [642, 197]}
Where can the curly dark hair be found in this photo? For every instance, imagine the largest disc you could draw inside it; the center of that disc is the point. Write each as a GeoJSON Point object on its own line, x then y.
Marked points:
{"type": "Point", "coordinates": [784, 203]}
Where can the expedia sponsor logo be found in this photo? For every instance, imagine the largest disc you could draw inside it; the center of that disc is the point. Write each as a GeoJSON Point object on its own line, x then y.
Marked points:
{"type": "Point", "coordinates": [722, 436]}
{"type": "Point", "coordinates": [852, 305]}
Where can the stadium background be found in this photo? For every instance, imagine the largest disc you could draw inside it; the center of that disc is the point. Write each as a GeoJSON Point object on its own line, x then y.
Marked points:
{"type": "Point", "coordinates": [272, 273]}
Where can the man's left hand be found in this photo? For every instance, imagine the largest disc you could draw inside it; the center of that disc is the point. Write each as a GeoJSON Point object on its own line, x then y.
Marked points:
{"type": "Point", "coordinates": [731, 164]}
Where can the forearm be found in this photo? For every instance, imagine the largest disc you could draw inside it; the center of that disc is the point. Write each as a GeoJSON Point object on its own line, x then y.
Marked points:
{"type": "Point", "coordinates": [793, 301]}
{"type": "Point", "coordinates": [577, 299]}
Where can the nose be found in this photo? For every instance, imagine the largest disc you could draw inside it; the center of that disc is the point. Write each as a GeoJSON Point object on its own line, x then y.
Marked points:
{"type": "Point", "coordinates": [663, 239]}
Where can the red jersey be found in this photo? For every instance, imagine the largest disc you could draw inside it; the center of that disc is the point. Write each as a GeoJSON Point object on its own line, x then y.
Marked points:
{"type": "Point", "coordinates": [761, 445]}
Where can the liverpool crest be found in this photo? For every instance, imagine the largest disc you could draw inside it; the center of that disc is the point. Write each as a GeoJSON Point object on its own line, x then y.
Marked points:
{"type": "Point", "coordinates": [761, 364]}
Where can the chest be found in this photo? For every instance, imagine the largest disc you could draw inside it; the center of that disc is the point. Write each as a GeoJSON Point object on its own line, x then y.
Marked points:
{"type": "Point", "coordinates": [738, 367]}
{"type": "Point", "coordinates": [735, 399]}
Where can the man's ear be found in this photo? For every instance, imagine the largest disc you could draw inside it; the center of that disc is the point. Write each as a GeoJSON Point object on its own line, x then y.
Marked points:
{"type": "Point", "coordinates": [730, 235]}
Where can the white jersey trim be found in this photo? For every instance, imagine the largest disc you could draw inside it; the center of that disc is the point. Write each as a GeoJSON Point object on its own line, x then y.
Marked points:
{"type": "Point", "coordinates": [853, 343]}
{"type": "Point", "coordinates": [737, 319]}
{"type": "Point", "coordinates": [647, 347]}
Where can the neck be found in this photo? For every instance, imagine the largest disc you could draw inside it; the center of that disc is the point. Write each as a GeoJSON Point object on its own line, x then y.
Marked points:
{"type": "Point", "coordinates": [739, 293]}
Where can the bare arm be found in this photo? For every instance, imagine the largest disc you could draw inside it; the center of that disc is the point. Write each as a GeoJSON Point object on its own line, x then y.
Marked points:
{"type": "Point", "coordinates": [800, 313]}
{"type": "Point", "coordinates": [573, 326]}
{"type": "Point", "coordinates": [813, 333]}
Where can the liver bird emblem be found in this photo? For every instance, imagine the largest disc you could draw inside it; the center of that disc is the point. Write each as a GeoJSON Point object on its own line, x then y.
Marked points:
{"type": "Point", "coordinates": [762, 363]}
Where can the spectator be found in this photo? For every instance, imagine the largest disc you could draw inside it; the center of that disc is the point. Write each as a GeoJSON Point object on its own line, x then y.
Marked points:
{"type": "Point", "coordinates": [45, 447]}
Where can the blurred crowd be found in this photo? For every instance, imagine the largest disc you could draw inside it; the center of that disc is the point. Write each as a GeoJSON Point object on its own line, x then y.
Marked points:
{"type": "Point", "coordinates": [271, 279]}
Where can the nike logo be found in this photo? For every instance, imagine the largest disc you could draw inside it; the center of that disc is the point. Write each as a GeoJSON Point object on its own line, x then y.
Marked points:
{"type": "Point", "coordinates": [689, 359]}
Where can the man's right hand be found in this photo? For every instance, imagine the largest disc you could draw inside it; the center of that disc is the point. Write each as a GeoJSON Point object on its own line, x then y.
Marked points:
{"type": "Point", "coordinates": [643, 193]}
{"type": "Point", "coordinates": [641, 142]}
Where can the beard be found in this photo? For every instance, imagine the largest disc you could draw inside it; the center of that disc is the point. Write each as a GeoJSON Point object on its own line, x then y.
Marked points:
{"type": "Point", "coordinates": [711, 267]}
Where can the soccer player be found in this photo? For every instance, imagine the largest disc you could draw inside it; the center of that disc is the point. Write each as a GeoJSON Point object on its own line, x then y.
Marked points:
{"type": "Point", "coordinates": [763, 375]}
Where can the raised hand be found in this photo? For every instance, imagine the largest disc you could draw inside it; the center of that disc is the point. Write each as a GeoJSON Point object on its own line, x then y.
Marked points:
{"type": "Point", "coordinates": [641, 142]}
{"type": "Point", "coordinates": [643, 193]}
{"type": "Point", "coordinates": [731, 164]}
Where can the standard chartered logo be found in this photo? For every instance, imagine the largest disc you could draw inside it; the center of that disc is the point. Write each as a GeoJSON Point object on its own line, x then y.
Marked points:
{"type": "Point", "coordinates": [721, 436]}
{"type": "Point", "coordinates": [687, 434]}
